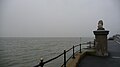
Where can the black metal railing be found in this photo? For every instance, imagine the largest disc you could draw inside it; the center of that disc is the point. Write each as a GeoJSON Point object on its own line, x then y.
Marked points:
{"type": "Point", "coordinates": [41, 64]}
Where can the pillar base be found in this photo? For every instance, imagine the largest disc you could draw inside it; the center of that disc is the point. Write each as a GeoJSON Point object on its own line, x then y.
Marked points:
{"type": "Point", "coordinates": [100, 54]}
{"type": "Point", "coordinates": [101, 42]}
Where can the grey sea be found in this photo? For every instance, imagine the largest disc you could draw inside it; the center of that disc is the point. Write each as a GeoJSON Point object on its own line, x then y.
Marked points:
{"type": "Point", "coordinates": [27, 51]}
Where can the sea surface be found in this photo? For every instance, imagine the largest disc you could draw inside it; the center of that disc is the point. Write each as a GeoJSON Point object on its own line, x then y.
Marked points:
{"type": "Point", "coordinates": [27, 51]}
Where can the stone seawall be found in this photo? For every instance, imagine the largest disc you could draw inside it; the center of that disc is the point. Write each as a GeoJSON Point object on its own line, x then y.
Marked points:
{"type": "Point", "coordinates": [74, 62]}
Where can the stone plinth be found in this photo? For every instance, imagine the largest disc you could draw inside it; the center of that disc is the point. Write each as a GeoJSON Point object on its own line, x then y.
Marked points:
{"type": "Point", "coordinates": [101, 42]}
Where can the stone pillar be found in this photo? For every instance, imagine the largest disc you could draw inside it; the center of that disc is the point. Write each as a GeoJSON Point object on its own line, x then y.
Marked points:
{"type": "Point", "coordinates": [101, 42]}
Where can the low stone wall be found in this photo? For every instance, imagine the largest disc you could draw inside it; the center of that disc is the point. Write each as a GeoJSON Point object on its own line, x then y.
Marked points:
{"type": "Point", "coordinates": [73, 62]}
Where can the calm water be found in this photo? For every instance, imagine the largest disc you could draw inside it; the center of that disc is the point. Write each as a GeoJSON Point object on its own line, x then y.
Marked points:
{"type": "Point", "coordinates": [26, 52]}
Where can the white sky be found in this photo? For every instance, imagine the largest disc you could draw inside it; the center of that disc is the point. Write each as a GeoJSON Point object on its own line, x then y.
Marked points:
{"type": "Point", "coordinates": [59, 18]}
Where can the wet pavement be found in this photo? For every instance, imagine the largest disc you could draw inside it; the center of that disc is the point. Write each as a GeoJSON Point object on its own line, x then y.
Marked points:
{"type": "Point", "coordinates": [113, 60]}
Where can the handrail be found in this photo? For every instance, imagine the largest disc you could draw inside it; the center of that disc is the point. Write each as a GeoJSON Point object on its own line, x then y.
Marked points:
{"type": "Point", "coordinates": [64, 53]}
{"type": "Point", "coordinates": [53, 58]}
{"type": "Point", "coordinates": [69, 49]}
{"type": "Point", "coordinates": [76, 45]}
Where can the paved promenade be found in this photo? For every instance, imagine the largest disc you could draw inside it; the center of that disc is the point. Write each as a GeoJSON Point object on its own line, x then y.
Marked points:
{"type": "Point", "coordinates": [113, 60]}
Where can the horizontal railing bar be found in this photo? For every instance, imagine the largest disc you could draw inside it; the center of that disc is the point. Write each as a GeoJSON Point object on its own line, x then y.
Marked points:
{"type": "Point", "coordinates": [69, 49]}
{"type": "Point", "coordinates": [84, 43]}
{"type": "Point", "coordinates": [72, 48]}
{"type": "Point", "coordinates": [53, 58]}
{"type": "Point", "coordinates": [76, 45]}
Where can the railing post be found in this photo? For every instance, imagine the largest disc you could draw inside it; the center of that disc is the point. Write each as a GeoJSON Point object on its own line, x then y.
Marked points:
{"type": "Point", "coordinates": [41, 63]}
{"type": "Point", "coordinates": [80, 48]}
{"type": "Point", "coordinates": [73, 52]}
{"type": "Point", "coordinates": [64, 58]}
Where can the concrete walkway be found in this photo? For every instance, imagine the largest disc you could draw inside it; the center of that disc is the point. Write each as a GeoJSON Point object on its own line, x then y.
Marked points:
{"type": "Point", "coordinates": [113, 60]}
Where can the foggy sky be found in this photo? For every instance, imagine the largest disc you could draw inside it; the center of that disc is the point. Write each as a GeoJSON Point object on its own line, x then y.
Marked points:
{"type": "Point", "coordinates": [59, 18]}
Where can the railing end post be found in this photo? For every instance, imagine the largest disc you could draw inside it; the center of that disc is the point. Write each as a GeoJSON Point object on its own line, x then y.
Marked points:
{"type": "Point", "coordinates": [41, 62]}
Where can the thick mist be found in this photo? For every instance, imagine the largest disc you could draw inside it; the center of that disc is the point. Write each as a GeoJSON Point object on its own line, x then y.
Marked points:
{"type": "Point", "coordinates": [57, 18]}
